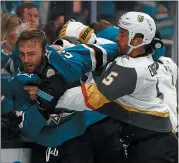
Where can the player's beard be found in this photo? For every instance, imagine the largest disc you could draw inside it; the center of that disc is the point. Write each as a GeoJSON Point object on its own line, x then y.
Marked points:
{"type": "Point", "coordinates": [124, 50]}
{"type": "Point", "coordinates": [29, 69]}
{"type": "Point", "coordinates": [34, 67]}
{"type": "Point", "coordinates": [40, 67]}
{"type": "Point", "coordinates": [119, 51]}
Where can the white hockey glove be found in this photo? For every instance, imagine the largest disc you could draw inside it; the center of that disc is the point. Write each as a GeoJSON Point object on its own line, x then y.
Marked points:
{"type": "Point", "coordinates": [78, 31]}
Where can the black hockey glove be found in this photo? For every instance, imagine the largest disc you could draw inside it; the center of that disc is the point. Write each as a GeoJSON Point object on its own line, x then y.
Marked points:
{"type": "Point", "coordinates": [48, 93]}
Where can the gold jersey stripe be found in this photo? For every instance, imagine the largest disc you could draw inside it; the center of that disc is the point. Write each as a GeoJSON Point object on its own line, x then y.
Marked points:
{"type": "Point", "coordinates": [93, 97]}
{"type": "Point", "coordinates": [173, 131]}
{"type": "Point", "coordinates": [130, 108]}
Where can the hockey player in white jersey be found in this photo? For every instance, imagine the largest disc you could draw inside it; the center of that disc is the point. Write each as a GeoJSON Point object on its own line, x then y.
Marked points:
{"type": "Point", "coordinates": [167, 83]}
{"type": "Point", "coordinates": [168, 73]}
{"type": "Point", "coordinates": [129, 91]}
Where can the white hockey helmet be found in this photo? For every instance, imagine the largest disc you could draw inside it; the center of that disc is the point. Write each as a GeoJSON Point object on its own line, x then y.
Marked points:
{"type": "Point", "coordinates": [138, 22]}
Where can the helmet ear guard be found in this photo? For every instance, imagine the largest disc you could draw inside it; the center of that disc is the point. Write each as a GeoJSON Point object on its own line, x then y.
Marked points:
{"type": "Point", "coordinates": [156, 43]}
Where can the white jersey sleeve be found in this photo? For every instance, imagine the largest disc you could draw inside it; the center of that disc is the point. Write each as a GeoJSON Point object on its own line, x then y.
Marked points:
{"type": "Point", "coordinates": [73, 99]}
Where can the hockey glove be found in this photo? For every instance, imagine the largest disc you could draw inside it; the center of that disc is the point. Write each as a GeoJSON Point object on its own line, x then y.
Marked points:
{"type": "Point", "coordinates": [48, 93]}
{"type": "Point", "coordinates": [75, 30]}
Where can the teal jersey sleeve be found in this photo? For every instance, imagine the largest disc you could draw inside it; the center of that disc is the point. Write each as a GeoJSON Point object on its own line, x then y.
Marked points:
{"type": "Point", "coordinates": [74, 62]}
{"type": "Point", "coordinates": [6, 105]}
{"type": "Point", "coordinates": [32, 121]}
{"type": "Point", "coordinates": [109, 33]}
{"type": "Point", "coordinates": [20, 96]}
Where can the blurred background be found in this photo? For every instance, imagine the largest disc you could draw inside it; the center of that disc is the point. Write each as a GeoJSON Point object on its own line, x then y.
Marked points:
{"type": "Point", "coordinates": [58, 12]}
{"type": "Point", "coordinates": [53, 14]}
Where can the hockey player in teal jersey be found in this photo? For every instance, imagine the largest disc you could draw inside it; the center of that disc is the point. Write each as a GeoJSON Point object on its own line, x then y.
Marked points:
{"type": "Point", "coordinates": [35, 123]}
{"type": "Point", "coordinates": [78, 52]}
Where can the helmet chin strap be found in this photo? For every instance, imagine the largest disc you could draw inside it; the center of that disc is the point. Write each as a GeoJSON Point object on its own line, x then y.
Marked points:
{"type": "Point", "coordinates": [132, 47]}
{"type": "Point", "coordinates": [130, 50]}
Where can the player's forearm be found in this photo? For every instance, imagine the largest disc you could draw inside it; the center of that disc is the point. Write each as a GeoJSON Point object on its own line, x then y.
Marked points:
{"type": "Point", "coordinates": [86, 97]}
{"type": "Point", "coordinates": [74, 62]}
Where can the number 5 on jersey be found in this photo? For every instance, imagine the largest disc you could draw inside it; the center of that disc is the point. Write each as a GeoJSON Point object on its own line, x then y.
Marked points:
{"type": "Point", "coordinates": [109, 79]}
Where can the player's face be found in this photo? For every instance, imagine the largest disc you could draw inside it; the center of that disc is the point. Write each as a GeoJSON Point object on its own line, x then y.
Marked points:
{"type": "Point", "coordinates": [31, 54]}
{"type": "Point", "coordinates": [122, 40]}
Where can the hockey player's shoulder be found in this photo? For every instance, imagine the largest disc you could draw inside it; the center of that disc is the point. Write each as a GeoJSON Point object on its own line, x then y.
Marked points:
{"type": "Point", "coordinates": [128, 61]}
{"type": "Point", "coordinates": [123, 60]}
{"type": "Point", "coordinates": [169, 64]}
{"type": "Point", "coordinates": [142, 65]}
{"type": "Point", "coordinates": [167, 61]}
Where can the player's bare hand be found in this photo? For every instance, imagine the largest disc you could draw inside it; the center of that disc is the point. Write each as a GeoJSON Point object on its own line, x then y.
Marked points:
{"type": "Point", "coordinates": [31, 90]}
{"type": "Point", "coordinates": [58, 48]}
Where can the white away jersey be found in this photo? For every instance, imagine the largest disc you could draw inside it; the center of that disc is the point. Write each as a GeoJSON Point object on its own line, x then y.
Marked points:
{"type": "Point", "coordinates": [128, 90]}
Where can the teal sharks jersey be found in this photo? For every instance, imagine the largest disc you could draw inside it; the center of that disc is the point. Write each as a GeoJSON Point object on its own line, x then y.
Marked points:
{"type": "Point", "coordinates": [72, 64]}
